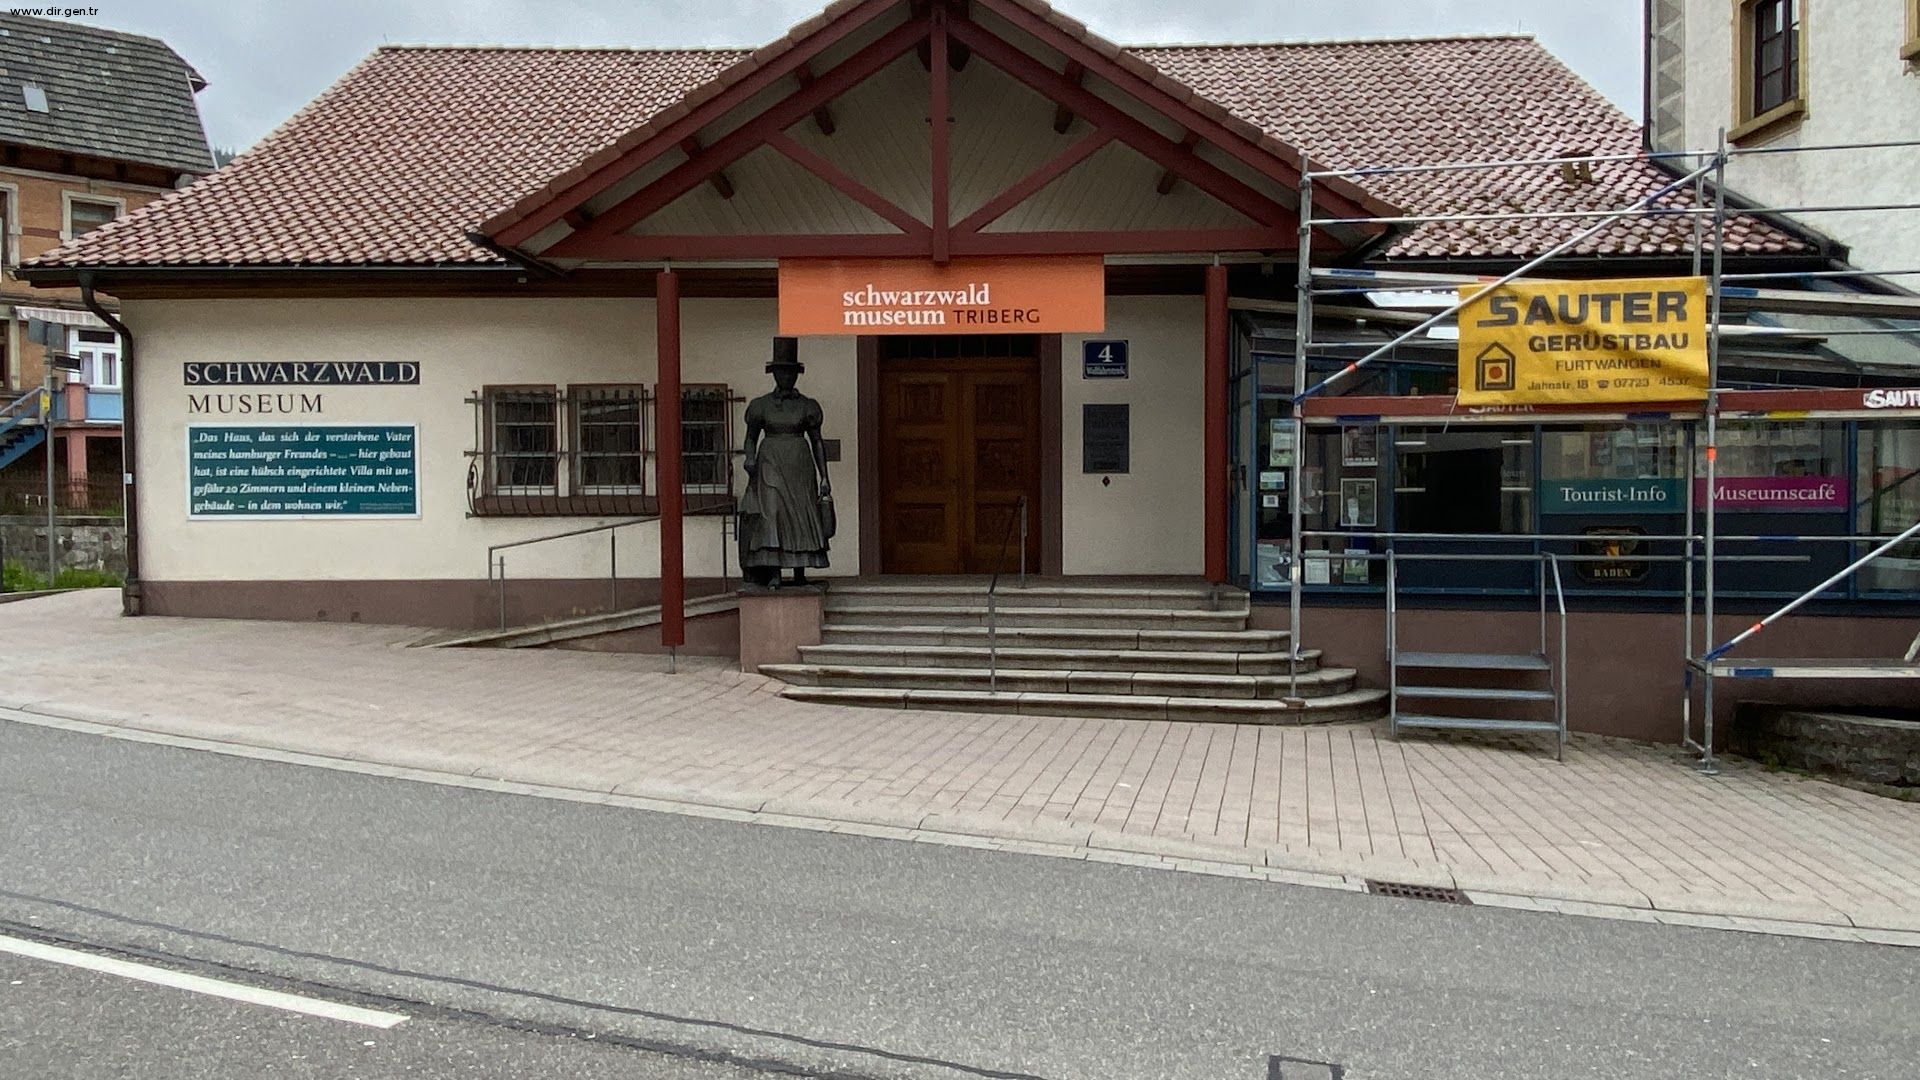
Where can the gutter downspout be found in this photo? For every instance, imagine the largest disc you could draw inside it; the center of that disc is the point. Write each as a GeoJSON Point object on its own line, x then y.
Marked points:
{"type": "Point", "coordinates": [130, 594]}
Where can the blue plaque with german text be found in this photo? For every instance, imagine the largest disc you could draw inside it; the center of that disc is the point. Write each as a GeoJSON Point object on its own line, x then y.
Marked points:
{"type": "Point", "coordinates": [303, 471]}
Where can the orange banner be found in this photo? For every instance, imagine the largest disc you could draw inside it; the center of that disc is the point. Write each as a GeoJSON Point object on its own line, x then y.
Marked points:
{"type": "Point", "coordinates": [1064, 294]}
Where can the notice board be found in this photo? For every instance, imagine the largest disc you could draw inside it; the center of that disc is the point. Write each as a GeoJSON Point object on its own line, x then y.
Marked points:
{"type": "Point", "coordinates": [303, 471]}
{"type": "Point", "coordinates": [1105, 438]}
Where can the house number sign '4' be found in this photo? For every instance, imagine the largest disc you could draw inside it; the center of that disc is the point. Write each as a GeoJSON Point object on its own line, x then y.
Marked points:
{"type": "Point", "coordinates": [1103, 359]}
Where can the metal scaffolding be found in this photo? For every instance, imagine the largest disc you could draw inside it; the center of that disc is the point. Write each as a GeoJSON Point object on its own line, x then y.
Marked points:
{"type": "Point", "coordinates": [1701, 180]}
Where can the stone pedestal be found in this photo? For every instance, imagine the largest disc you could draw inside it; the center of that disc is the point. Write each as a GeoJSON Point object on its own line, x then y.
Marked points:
{"type": "Point", "coordinates": [774, 623]}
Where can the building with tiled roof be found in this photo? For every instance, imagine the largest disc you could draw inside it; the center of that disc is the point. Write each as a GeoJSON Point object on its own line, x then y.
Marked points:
{"type": "Point", "coordinates": [94, 124]}
{"type": "Point", "coordinates": [483, 336]}
{"type": "Point", "coordinates": [407, 154]}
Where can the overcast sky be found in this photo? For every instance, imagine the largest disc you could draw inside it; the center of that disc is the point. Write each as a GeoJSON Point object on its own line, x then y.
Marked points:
{"type": "Point", "coordinates": [265, 58]}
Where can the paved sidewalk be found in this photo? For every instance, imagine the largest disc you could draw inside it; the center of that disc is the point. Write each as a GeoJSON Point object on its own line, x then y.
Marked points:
{"type": "Point", "coordinates": [1618, 824]}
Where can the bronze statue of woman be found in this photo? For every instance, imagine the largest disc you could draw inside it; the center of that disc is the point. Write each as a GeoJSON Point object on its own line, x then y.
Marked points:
{"type": "Point", "coordinates": [786, 514]}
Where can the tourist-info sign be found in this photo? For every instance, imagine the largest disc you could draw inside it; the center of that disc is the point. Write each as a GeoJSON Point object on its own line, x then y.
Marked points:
{"type": "Point", "coordinates": [1584, 342]}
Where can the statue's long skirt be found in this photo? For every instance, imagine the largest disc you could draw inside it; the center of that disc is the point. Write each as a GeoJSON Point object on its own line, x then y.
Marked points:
{"type": "Point", "coordinates": [780, 522]}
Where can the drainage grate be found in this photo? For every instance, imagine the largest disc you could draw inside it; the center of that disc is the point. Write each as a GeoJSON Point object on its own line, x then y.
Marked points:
{"type": "Point", "coordinates": [1416, 892]}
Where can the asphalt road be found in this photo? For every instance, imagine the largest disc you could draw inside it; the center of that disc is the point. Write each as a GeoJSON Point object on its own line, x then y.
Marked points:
{"type": "Point", "coordinates": [57, 1022]}
{"type": "Point", "coordinates": [496, 918]}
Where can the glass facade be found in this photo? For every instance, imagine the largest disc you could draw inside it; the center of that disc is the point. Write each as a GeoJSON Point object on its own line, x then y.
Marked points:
{"type": "Point", "coordinates": [1605, 493]}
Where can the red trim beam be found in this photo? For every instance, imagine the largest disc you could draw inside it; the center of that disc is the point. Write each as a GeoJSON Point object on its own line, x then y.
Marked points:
{"type": "Point", "coordinates": [1215, 426]}
{"type": "Point", "coordinates": [666, 411]}
{"type": "Point", "coordinates": [519, 223]}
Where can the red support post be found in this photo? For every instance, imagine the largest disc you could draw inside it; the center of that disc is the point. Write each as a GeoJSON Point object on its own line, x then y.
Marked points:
{"type": "Point", "coordinates": [938, 108]}
{"type": "Point", "coordinates": [666, 412]}
{"type": "Point", "coordinates": [1215, 426]}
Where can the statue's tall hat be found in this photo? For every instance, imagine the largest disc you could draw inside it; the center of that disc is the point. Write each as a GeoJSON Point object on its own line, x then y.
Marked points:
{"type": "Point", "coordinates": [786, 355]}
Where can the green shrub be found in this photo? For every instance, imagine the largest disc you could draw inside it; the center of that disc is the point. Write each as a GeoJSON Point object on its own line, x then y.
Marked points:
{"type": "Point", "coordinates": [20, 578]}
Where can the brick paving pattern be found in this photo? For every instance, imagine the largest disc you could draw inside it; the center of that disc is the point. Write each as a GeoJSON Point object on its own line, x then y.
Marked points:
{"type": "Point", "coordinates": [1618, 822]}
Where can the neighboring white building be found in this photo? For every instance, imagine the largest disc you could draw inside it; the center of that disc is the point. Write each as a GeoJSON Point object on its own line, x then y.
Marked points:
{"type": "Point", "coordinates": [1785, 73]}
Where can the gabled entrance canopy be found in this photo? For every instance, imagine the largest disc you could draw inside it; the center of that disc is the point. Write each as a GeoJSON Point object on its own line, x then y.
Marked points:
{"type": "Point", "coordinates": [1050, 141]}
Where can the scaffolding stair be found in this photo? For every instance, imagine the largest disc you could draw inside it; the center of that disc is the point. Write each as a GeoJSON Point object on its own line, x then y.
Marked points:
{"type": "Point", "coordinates": [1478, 691]}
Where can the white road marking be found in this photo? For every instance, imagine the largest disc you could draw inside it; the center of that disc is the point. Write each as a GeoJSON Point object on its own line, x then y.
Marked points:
{"type": "Point", "coordinates": [200, 984]}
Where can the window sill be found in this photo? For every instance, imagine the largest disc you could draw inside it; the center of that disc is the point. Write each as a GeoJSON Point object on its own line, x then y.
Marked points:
{"type": "Point", "coordinates": [1773, 122]}
{"type": "Point", "coordinates": [587, 504]}
{"type": "Point", "coordinates": [1910, 52]}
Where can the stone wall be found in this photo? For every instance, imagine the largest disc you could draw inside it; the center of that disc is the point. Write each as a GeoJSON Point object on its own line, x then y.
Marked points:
{"type": "Point", "coordinates": [83, 543]}
{"type": "Point", "coordinates": [1878, 753]}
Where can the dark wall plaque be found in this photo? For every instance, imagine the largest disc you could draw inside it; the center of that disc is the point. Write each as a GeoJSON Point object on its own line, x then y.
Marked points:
{"type": "Point", "coordinates": [1105, 435]}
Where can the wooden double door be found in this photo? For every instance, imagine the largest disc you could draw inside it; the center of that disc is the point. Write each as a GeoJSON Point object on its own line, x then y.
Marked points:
{"type": "Point", "coordinates": [959, 446]}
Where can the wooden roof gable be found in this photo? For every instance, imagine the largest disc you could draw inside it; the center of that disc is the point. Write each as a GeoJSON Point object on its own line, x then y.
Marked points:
{"type": "Point", "coordinates": [604, 210]}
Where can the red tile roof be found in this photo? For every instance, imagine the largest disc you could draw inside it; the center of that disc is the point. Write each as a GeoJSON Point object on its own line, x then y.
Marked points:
{"type": "Point", "coordinates": [1360, 104]}
{"type": "Point", "coordinates": [394, 164]}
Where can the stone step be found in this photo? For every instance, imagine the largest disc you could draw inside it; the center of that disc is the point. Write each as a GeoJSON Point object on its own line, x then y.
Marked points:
{"type": "Point", "coordinates": [976, 615]}
{"type": "Point", "coordinates": [1354, 705]}
{"type": "Point", "coordinates": [1196, 596]}
{"type": "Point", "coordinates": [1087, 659]}
{"type": "Point", "coordinates": [853, 632]}
{"type": "Point", "coordinates": [1321, 682]}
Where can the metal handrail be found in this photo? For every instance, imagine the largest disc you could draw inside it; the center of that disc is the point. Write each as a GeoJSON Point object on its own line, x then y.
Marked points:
{"type": "Point", "coordinates": [1393, 643]}
{"type": "Point", "coordinates": [1559, 673]}
{"type": "Point", "coordinates": [613, 555]}
{"type": "Point", "coordinates": [1549, 570]}
{"type": "Point", "coordinates": [20, 407]}
{"type": "Point", "coordinates": [993, 589]}
{"type": "Point", "coordinates": [1799, 601]}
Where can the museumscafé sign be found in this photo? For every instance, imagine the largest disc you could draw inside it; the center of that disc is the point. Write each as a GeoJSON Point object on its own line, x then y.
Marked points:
{"type": "Point", "coordinates": [302, 471]}
{"type": "Point", "coordinates": [1583, 342]}
{"type": "Point", "coordinates": [1053, 294]}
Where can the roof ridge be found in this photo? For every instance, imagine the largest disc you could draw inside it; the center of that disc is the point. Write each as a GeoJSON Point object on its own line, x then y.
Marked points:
{"type": "Point", "coordinates": [662, 49]}
{"type": "Point", "coordinates": [1294, 43]}
{"type": "Point", "coordinates": [1130, 46]}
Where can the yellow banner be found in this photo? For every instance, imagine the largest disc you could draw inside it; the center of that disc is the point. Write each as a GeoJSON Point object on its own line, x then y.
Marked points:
{"type": "Point", "coordinates": [1581, 342]}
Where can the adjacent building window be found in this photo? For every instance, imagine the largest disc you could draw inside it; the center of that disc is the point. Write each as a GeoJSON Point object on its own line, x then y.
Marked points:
{"type": "Point", "coordinates": [85, 215]}
{"type": "Point", "coordinates": [8, 252]}
{"type": "Point", "coordinates": [1767, 65]}
{"type": "Point", "coordinates": [609, 439]}
{"type": "Point", "coordinates": [523, 437]}
{"type": "Point", "coordinates": [99, 353]}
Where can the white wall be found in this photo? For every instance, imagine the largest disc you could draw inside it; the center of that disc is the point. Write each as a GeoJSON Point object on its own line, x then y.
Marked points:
{"type": "Point", "coordinates": [1148, 521]}
{"type": "Point", "coordinates": [1858, 90]}
{"type": "Point", "coordinates": [461, 345]}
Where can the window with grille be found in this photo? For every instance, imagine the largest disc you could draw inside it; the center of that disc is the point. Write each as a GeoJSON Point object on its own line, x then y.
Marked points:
{"type": "Point", "coordinates": [524, 439]}
{"type": "Point", "coordinates": [704, 464]}
{"type": "Point", "coordinates": [609, 438]}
